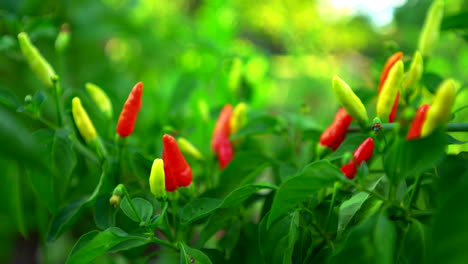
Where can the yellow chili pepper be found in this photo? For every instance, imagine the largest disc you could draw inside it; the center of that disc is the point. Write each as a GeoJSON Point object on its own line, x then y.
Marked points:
{"type": "Point", "coordinates": [349, 100]}
{"type": "Point", "coordinates": [412, 77]}
{"type": "Point", "coordinates": [239, 117]}
{"type": "Point", "coordinates": [188, 148]}
{"type": "Point", "coordinates": [36, 61]}
{"type": "Point", "coordinates": [389, 91]}
{"type": "Point", "coordinates": [431, 28]}
{"type": "Point", "coordinates": [82, 121]}
{"type": "Point", "coordinates": [157, 179]}
{"type": "Point", "coordinates": [440, 110]}
{"type": "Point", "coordinates": [100, 98]}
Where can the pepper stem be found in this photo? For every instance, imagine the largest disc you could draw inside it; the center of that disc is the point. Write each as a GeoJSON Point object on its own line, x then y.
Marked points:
{"type": "Point", "coordinates": [451, 127]}
{"type": "Point", "coordinates": [58, 105]}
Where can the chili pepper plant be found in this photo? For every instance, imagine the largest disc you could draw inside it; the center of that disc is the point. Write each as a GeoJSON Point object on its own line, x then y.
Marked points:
{"type": "Point", "coordinates": [385, 181]}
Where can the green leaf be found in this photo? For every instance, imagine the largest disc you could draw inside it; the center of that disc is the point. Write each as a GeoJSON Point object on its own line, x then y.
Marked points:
{"type": "Point", "coordinates": [104, 212]}
{"type": "Point", "coordinates": [452, 140]}
{"type": "Point", "coordinates": [405, 159]}
{"type": "Point", "coordinates": [203, 207]}
{"type": "Point", "coordinates": [99, 244]}
{"type": "Point", "coordinates": [372, 241]}
{"type": "Point", "coordinates": [8, 98]}
{"type": "Point", "coordinates": [190, 255]}
{"type": "Point", "coordinates": [277, 242]}
{"type": "Point", "coordinates": [259, 125]}
{"type": "Point", "coordinates": [450, 231]}
{"type": "Point", "coordinates": [414, 244]}
{"type": "Point", "coordinates": [431, 81]}
{"type": "Point", "coordinates": [457, 21]}
{"type": "Point", "coordinates": [296, 189]}
{"type": "Point", "coordinates": [144, 209]}
{"type": "Point", "coordinates": [350, 207]}
{"type": "Point", "coordinates": [219, 219]}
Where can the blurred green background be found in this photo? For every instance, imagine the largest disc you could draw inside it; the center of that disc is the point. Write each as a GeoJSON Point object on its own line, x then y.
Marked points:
{"type": "Point", "coordinates": [184, 51]}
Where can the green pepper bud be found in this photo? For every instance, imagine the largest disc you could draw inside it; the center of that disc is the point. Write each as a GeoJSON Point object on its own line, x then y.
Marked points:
{"type": "Point", "coordinates": [349, 100]}
{"type": "Point", "coordinates": [36, 61]}
{"type": "Point", "coordinates": [412, 77]}
{"type": "Point", "coordinates": [63, 39]}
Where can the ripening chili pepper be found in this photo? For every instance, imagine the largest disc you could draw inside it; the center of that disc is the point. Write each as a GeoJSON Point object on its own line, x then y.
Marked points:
{"type": "Point", "coordinates": [128, 116]}
{"type": "Point", "coordinates": [225, 152]}
{"type": "Point", "coordinates": [82, 121]}
{"type": "Point", "coordinates": [431, 29]}
{"type": "Point", "coordinates": [418, 122]}
{"type": "Point", "coordinates": [117, 195]}
{"type": "Point", "coordinates": [412, 77]}
{"type": "Point", "coordinates": [189, 149]}
{"type": "Point", "coordinates": [238, 118]}
{"type": "Point", "coordinates": [388, 65]}
{"type": "Point", "coordinates": [334, 135]}
{"type": "Point", "coordinates": [349, 100]}
{"type": "Point", "coordinates": [63, 38]}
{"type": "Point", "coordinates": [100, 98]}
{"type": "Point", "coordinates": [441, 108]}
{"type": "Point", "coordinates": [176, 169]}
{"type": "Point", "coordinates": [222, 128]}
{"type": "Point", "coordinates": [390, 89]}
{"type": "Point", "coordinates": [36, 61]}
{"type": "Point", "coordinates": [157, 179]}
{"type": "Point", "coordinates": [362, 153]}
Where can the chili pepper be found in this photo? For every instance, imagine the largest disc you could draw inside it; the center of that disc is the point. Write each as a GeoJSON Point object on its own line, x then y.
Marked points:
{"type": "Point", "coordinates": [222, 128]}
{"type": "Point", "coordinates": [225, 152]}
{"type": "Point", "coordinates": [130, 110]}
{"type": "Point", "coordinates": [157, 179]}
{"type": "Point", "coordinates": [189, 149]}
{"type": "Point", "coordinates": [388, 65]}
{"type": "Point", "coordinates": [238, 118]}
{"type": "Point", "coordinates": [431, 28]}
{"type": "Point", "coordinates": [100, 98]}
{"type": "Point", "coordinates": [36, 61]}
{"type": "Point", "coordinates": [362, 153]}
{"type": "Point", "coordinates": [334, 135]}
{"type": "Point", "coordinates": [388, 94]}
{"type": "Point", "coordinates": [418, 122]}
{"type": "Point", "coordinates": [82, 121]}
{"type": "Point", "coordinates": [440, 110]}
{"type": "Point", "coordinates": [176, 169]}
{"type": "Point", "coordinates": [63, 38]}
{"type": "Point", "coordinates": [348, 99]}
{"type": "Point", "coordinates": [235, 75]}
{"type": "Point", "coordinates": [413, 75]}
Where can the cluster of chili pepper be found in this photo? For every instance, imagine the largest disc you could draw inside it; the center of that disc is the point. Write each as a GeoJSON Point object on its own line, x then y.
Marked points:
{"type": "Point", "coordinates": [229, 122]}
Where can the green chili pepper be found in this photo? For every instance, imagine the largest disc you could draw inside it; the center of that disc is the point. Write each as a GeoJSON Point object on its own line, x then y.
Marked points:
{"type": "Point", "coordinates": [440, 110]}
{"type": "Point", "coordinates": [431, 28]}
{"type": "Point", "coordinates": [100, 98]}
{"type": "Point", "coordinates": [235, 75]}
{"type": "Point", "coordinates": [389, 91]}
{"type": "Point", "coordinates": [188, 148]}
{"type": "Point", "coordinates": [412, 77]}
{"type": "Point", "coordinates": [63, 38]}
{"type": "Point", "coordinates": [36, 61]}
{"type": "Point", "coordinates": [349, 100]}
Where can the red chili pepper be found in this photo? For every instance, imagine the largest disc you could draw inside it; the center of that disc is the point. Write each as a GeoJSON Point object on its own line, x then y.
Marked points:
{"type": "Point", "coordinates": [362, 153]}
{"type": "Point", "coordinates": [222, 128]}
{"type": "Point", "coordinates": [418, 122]}
{"type": "Point", "coordinates": [130, 110]}
{"type": "Point", "coordinates": [383, 77]}
{"type": "Point", "coordinates": [224, 152]}
{"type": "Point", "coordinates": [334, 135]}
{"type": "Point", "coordinates": [176, 169]}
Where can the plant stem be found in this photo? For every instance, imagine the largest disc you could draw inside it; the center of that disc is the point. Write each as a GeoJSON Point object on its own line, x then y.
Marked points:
{"type": "Point", "coordinates": [451, 127]}
{"type": "Point", "coordinates": [58, 104]}
{"type": "Point", "coordinates": [414, 193]}
{"type": "Point", "coordinates": [163, 242]}
{"type": "Point", "coordinates": [332, 203]}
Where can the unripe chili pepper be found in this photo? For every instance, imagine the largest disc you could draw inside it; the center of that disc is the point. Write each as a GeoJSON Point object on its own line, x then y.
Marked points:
{"type": "Point", "coordinates": [349, 100]}
{"type": "Point", "coordinates": [189, 149]}
{"type": "Point", "coordinates": [413, 75]}
{"type": "Point", "coordinates": [225, 152]}
{"type": "Point", "coordinates": [418, 122]}
{"type": "Point", "coordinates": [176, 169]}
{"type": "Point", "coordinates": [63, 38]}
{"type": "Point", "coordinates": [130, 110]}
{"type": "Point", "coordinates": [100, 98]}
{"type": "Point", "coordinates": [222, 128]}
{"type": "Point", "coordinates": [388, 65]}
{"type": "Point", "coordinates": [389, 92]}
{"type": "Point", "coordinates": [431, 28]}
{"type": "Point", "coordinates": [36, 61]}
{"type": "Point", "coordinates": [82, 121]}
{"type": "Point", "coordinates": [238, 118]}
{"type": "Point", "coordinates": [157, 179]}
{"type": "Point", "coordinates": [362, 153]}
{"type": "Point", "coordinates": [440, 110]}
{"type": "Point", "coordinates": [334, 135]}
